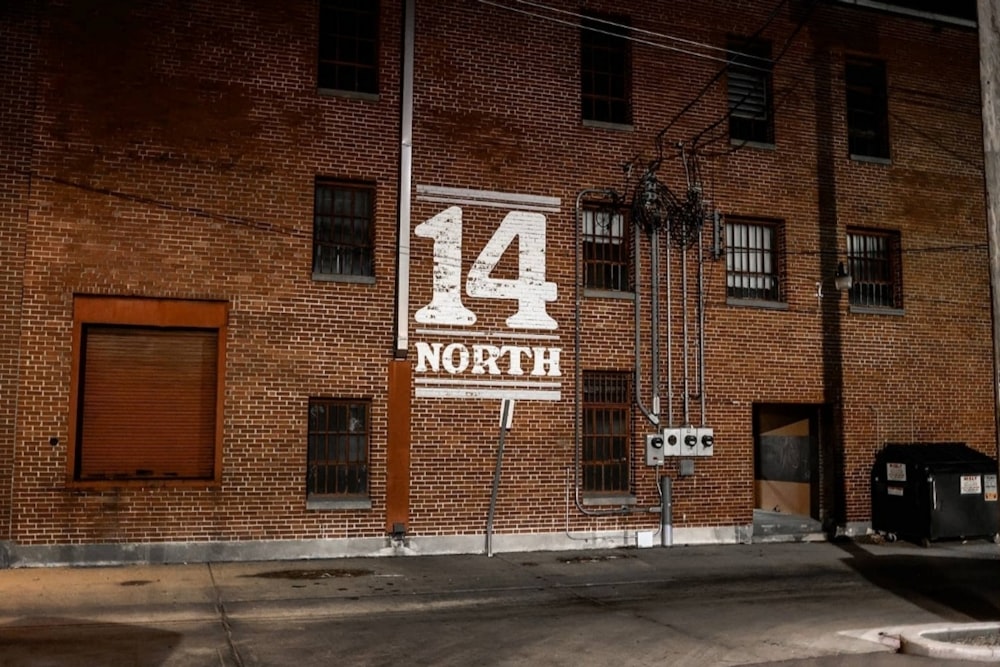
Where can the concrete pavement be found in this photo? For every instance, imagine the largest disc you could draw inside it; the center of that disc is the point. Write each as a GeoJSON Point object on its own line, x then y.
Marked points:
{"type": "Point", "coordinates": [784, 603]}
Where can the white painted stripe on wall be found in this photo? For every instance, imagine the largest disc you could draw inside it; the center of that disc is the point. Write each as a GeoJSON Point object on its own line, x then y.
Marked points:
{"type": "Point", "coordinates": [486, 334]}
{"type": "Point", "coordinates": [488, 383]}
{"type": "Point", "coordinates": [492, 198]}
{"type": "Point", "coordinates": [516, 394]}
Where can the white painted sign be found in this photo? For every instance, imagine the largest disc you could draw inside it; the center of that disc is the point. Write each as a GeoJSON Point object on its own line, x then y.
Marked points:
{"type": "Point", "coordinates": [455, 359]}
{"type": "Point", "coordinates": [971, 484]}
{"type": "Point", "coordinates": [990, 487]}
{"type": "Point", "coordinates": [895, 472]}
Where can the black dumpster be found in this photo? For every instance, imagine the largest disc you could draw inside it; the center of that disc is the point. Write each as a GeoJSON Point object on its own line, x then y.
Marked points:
{"type": "Point", "coordinates": [934, 491]}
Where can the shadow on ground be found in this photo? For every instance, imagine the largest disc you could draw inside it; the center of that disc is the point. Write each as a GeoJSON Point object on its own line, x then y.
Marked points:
{"type": "Point", "coordinates": [965, 588]}
{"type": "Point", "coordinates": [65, 642]}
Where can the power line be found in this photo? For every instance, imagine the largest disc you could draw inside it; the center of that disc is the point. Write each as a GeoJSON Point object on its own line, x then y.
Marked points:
{"type": "Point", "coordinates": [617, 32]}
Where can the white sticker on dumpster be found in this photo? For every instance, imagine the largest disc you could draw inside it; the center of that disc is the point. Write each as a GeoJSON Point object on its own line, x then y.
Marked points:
{"type": "Point", "coordinates": [971, 484]}
{"type": "Point", "coordinates": [894, 491]}
{"type": "Point", "coordinates": [895, 472]}
{"type": "Point", "coordinates": [990, 487]}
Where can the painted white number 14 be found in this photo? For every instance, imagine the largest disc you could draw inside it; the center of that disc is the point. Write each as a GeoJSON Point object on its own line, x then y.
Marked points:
{"type": "Point", "coordinates": [529, 289]}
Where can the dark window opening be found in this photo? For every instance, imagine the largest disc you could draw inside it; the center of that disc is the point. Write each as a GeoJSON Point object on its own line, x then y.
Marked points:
{"type": "Point", "coordinates": [752, 260]}
{"type": "Point", "coordinates": [343, 230]}
{"type": "Point", "coordinates": [867, 108]}
{"type": "Point", "coordinates": [606, 249]}
{"type": "Point", "coordinates": [348, 45]}
{"type": "Point", "coordinates": [338, 448]}
{"type": "Point", "coordinates": [606, 70]}
{"type": "Point", "coordinates": [874, 264]}
{"type": "Point", "coordinates": [749, 77]}
{"type": "Point", "coordinates": [607, 401]}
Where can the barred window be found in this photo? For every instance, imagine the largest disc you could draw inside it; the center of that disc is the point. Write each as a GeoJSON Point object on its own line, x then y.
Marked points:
{"type": "Point", "coordinates": [875, 267]}
{"type": "Point", "coordinates": [338, 447]}
{"type": "Point", "coordinates": [343, 229]}
{"type": "Point", "coordinates": [605, 249]}
{"type": "Point", "coordinates": [867, 108]}
{"type": "Point", "coordinates": [348, 45]}
{"type": "Point", "coordinates": [749, 91]}
{"type": "Point", "coordinates": [752, 260]}
{"type": "Point", "coordinates": [606, 69]}
{"type": "Point", "coordinates": [607, 402]}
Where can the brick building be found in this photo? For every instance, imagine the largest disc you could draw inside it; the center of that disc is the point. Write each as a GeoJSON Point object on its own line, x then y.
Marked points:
{"type": "Point", "coordinates": [270, 269]}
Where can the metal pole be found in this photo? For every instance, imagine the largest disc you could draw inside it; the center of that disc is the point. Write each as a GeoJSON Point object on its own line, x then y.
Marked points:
{"type": "Point", "coordinates": [666, 512]}
{"type": "Point", "coordinates": [504, 407]}
{"type": "Point", "coordinates": [989, 69]}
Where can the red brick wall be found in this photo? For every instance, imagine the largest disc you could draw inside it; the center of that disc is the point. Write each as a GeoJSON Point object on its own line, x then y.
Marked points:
{"type": "Point", "coordinates": [184, 168]}
{"type": "Point", "coordinates": [17, 89]}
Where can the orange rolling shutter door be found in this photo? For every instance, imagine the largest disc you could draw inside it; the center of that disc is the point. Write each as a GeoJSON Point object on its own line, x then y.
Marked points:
{"type": "Point", "coordinates": [148, 403]}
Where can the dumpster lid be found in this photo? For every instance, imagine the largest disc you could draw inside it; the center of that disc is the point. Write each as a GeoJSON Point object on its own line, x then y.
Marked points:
{"type": "Point", "coordinates": [933, 453]}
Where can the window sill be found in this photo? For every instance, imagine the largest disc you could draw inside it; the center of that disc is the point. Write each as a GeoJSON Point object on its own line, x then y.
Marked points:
{"type": "Point", "coordinates": [754, 303]}
{"type": "Point", "coordinates": [349, 94]}
{"type": "Point", "coordinates": [337, 278]}
{"type": "Point", "coordinates": [608, 294]}
{"type": "Point", "coordinates": [877, 310]}
{"type": "Point", "coordinates": [603, 125]}
{"type": "Point", "coordinates": [615, 500]}
{"type": "Point", "coordinates": [747, 143]}
{"type": "Point", "coordinates": [871, 159]}
{"type": "Point", "coordinates": [350, 503]}
{"type": "Point", "coordinates": [96, 484]}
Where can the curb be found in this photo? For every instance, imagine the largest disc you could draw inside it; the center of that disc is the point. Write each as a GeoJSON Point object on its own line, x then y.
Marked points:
{"type": "Point", "coordinates": [940, 641]}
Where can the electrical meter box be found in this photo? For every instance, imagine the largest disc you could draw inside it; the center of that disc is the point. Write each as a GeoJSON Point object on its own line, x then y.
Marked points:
{"type": "Point", "coordinates": [706, 441]}
{"type": "Point", "coordinates": [654, 449]}
{"type": "Point", "coordinates": [671, 442]}
{"type": "Point", "coordinates": [689, 441]}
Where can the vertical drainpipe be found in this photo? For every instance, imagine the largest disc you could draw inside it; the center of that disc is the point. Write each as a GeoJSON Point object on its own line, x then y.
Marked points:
{"type": "Point", "coordinates": [399, 383]}
{"type": "Point", "coordinates": [405, 188]}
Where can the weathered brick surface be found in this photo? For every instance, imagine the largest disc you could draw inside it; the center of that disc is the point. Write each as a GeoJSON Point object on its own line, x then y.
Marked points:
{"type": "Point", "coordinates": [176, 150]}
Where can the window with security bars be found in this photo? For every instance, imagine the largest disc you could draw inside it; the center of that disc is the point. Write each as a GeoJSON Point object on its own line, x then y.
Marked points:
{"type": "Point", "coordinates": [348, 45]}
{"type": "Point", "coordinates": [752, 262]}
{"type": "Point", "coordinates": [606, 69]}
{"type": "Point", "coordinates": [748, 79]}
{"type": "Point", "coordinates": [338, 448]}
{"type": "Point", "coordinates": [606, 249]}
{"type": "Point", "coordinates": [607, 402]}
{"type": "Point", "coordinates": [867, 108]}
{"type": "Point", "coordinates": [343, 229]}
{"type": "Point", "coordinates": [874, 264]}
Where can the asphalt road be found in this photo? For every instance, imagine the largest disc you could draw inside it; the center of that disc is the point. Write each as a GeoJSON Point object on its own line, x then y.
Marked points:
{"type": "Point", "coordinates": [781, 604]}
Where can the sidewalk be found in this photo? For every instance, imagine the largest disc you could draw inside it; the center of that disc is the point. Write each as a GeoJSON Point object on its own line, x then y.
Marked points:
{"type": "Point", "coordinates": [821, 597]}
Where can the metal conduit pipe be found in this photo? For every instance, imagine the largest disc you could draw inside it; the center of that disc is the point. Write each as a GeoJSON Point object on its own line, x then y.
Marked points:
{"type": "Point", "coordinates": [684, 308]}
{"type": "Point", "coordinates": [577, 370]}
{"type": "Point", "coordinates": [405, 186]}
{"type": "Point", "coordinates": [670, 343]}
{"type": "Point", "coordinates": [654, 313]}
{"type": "Point", "coordinates": [701, 324]}
{"type": "Point", "coordinates": [637, 316]}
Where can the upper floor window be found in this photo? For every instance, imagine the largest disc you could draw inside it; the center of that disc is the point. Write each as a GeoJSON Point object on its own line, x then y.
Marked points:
{"type": "Point", "coordinates": [605, 249]}
{"type": "Point", "coordinates": [874, 264]}
{"type": "Point", "coordinates": [867, 108]}
{"type": "Point", "coordinates": [338, 448]}
{"type": "Point", "coordinates": [348, 45]}
{"type": "Point", "coordinates": [148, 390]}
{"type": "Point", "coordinates": [606, 70]}
{"type": "Point", "coordinates": [748, 79]}
{"type": "Point", "coordinates": [752, 260]}
{"type": "Point", "coordinates": [343, 227]}
{"type": "Point", "coordinates": [607, 403]}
